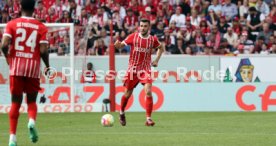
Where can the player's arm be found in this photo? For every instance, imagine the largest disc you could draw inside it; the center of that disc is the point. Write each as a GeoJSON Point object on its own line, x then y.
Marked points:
{"type": "Point", "coordinates": [6, 40]}
{"type": "Point", "coordinates": [44, 54]}
{"type": "Point", "coordinates": [159, 54]}
{"type": "Point", "coordinates": [118, 44]}
{"type": "Point", "coordinates": [44, 49]}
{"type": "Point", "coordinates": [45, 57]}
{"type": "Point", "coordinates": [128, 41]}
{"type": "Point", "coordinates": [5, 46]}
{"type": "Point", "coordinates": [160, 47]}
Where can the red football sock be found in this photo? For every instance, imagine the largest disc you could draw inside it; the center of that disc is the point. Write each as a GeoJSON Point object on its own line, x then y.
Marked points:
{"type": "Point", "coordinates": [32, 110]}
{"type": "Point", "coordinates": [14, 115]}
{"type": "Point", "coordinates": [124, 101]}
{"type": "Point", "coordinates": [149, 105]}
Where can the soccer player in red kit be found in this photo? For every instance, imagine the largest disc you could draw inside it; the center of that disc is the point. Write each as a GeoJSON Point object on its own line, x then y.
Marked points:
{"type": "Point", "coordinates": [24, 43]}
{"type": "Point", "coordinates": [142, 44]}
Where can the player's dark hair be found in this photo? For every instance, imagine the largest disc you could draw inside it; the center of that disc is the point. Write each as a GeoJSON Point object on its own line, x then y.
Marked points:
{"type": "Point", "coordinates": [90, 64]}
{"type": "Point", "coordinates": [28, 5]}
{"type": "Point", "coordinates": [145, 21]}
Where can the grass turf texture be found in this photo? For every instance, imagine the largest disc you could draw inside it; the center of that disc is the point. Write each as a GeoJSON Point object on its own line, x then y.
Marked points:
{"type": "Point", "coordinates": [172, 128]}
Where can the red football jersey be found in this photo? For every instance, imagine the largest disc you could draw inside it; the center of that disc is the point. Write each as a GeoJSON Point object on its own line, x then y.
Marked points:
{"type": "Point", "coordinates": [89, 76]}
{"type": "Point", "coordinates": [26, 34]}
{"type": "Point", "coordinates": [140, 51]}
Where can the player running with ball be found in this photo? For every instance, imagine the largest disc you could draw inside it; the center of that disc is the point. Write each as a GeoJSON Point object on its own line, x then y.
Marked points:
{"type": "Point", "coordinates": [139, 68]}
{"type": "Point", "coordinates": [23, 44]}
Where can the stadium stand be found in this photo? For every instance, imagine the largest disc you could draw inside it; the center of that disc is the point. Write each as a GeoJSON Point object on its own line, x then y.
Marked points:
{"type": "Point", "coordinates": [193, 27]}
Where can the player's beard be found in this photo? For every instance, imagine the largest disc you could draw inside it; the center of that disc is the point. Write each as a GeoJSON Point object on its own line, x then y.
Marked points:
{"type": "Point", "coordinates": [144, 33]}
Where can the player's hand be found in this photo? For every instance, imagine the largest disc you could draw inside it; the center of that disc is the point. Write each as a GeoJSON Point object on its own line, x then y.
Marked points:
{"type": "Point", "coordinates": [117, 44]}
{"type": "Point", "coordinates": [47, 71]}
{"type": "Point", "coordinates": [7, 60]}
{"type": "Point", "coordinates": [154, 63]}
{"type": "Point", "coordinates": [42, 99]}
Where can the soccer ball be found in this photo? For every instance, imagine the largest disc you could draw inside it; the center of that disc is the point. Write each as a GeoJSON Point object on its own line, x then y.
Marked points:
{"type": "Point", "coordinates": [107, 120]}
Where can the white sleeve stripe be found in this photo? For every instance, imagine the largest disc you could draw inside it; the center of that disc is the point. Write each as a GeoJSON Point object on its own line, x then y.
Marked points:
{"type": "Point", "coordinates": [124, 43]}
{"type": "Point", "coordinates": [44, 42]}
{"type": "Point", "coordinates": [7, 34]}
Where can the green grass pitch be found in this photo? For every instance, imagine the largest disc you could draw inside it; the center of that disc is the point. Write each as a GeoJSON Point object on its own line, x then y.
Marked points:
{"type": "Point", "coordinates": [172, 129]}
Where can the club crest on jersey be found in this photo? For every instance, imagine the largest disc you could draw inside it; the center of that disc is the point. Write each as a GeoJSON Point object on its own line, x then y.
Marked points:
{"type": "Point", "coordinates": [142, 49]}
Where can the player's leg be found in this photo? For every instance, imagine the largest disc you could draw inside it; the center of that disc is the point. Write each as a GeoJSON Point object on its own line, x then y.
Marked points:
{"type": "Point", "coordinates": [32, 113]}
{"type": "Point", "coordinates": [130, 82]}
{"type": "Point", "coordinates": [125, 99]}
{"type": "Point", "coordinates": [32, 88]}
{"type": "Point", "coordinates": [146, 80]}
{"type": "Point", "coordinates": [149, 104]}
{"type": "Point", "coordinates": [32, 107]}
{"type": "Point", "coordinates": [124, 102]}
{"type": "Point", "coordinates": [13, 116]}
{"type": "Point", "coordinates": [16, 89]}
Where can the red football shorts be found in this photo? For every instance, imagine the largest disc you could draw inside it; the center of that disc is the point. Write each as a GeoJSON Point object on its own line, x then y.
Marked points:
{"type": "Point", "coordinates": [20, 85]}
{"type": "Point", "coordinates": [131, 80]}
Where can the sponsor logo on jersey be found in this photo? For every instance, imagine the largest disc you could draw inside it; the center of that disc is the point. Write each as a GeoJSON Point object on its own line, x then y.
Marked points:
{"type": "Point", "coordinates": [142, 49]}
